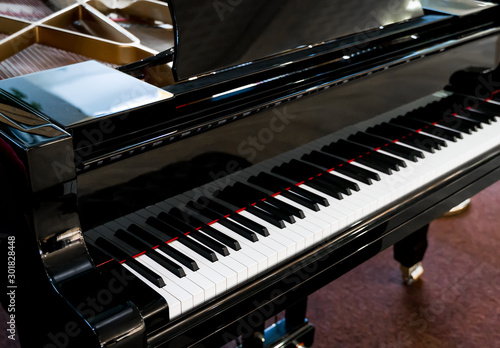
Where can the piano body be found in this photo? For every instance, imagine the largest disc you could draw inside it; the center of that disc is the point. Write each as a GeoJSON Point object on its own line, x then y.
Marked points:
{"type": "Point", "coordinates": [191, 193]}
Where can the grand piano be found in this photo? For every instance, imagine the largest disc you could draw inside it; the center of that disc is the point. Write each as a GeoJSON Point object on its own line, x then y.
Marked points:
{"type": "Point", "coordinates": [182, 193]}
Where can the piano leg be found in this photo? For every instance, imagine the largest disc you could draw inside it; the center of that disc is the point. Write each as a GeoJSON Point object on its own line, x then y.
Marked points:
{"type": "Point", "coordinates": [409, 252]}
{"type": "Point", "coordinates": [293, 331]}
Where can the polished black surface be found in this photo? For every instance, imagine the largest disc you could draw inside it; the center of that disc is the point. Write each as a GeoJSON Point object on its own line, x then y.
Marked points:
{"type": "Point", "coordinates": [211, 35]}
{"type": "Point", "coordinates": [149, 159]}
{"type": "Point", "coordinates": [83, 92]}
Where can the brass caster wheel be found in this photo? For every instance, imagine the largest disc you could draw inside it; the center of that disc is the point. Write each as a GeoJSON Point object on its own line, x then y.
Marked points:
{"type": "Point", "coordinates": [412, 274]}
{"type": "Point", "coordinates": [459, 209]}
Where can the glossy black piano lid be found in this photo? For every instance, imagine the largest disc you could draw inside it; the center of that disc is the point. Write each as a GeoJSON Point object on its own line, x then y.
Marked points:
{"type": "Point", "coordinates": [111, 191]}
{"type": "Point", "coordinates": [212, 35]}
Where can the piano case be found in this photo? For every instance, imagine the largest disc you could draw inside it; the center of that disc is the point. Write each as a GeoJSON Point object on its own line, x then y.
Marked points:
{"type": "Point", "coordinates": [181, 196]}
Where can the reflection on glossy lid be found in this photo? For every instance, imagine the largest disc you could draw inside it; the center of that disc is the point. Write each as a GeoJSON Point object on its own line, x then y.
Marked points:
{"type": "Point", "coordinates": [211, 35]}
{"type": "Point", "coordinates": [82, 92]}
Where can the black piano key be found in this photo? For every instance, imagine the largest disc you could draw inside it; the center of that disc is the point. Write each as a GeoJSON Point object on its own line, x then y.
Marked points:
{"type": "Point", "coordinates": [147, 273]}
{"type": "Point", "coordinates": [262, 230]}
{"type": "Point", "coordinates": [276, 212]}
{"type": "Point", "coordinates": [444, 118]}
{"type": "Point", "coordinates": [266, 216]}
{"type": "Point", "coordinates": [329, 162]}
{"type": "Point", "coordinates": [239, 229]}
{"type": "Point", "coordinates": [212, 232]}
{"type": "Point", "coordinates": [373, 144]}
{"type": "Point", "coordinates": [285, 185]}
{"type": "Point", "coordinates": [166, 263]}
{"type": "Point", "coordinates": [353, 175]}
{"type": "Point", "coordinates": [381, 143]}
{"type": "Point", "coordinates": [158, 258]}
{"type": "Point", "coordinates": [245, 233]}
{"type": "Point", "coordinates": [286, 207]}
{"type": "Point", "coordinates": [168, 230]}
{"type": "Point", "coordinates": [176, 217]}
{"type": "Point", "coordinates": [393, 163]}
{"type": "Point", "coordinates": [322, 159]}
{"type": "Point", "coordinates": [291, 173]}
{"type": "Point", "coordinates": [458, 124]}
{"type": "Point", "coordinates": [489, 109]}
{"type": "Point", "coordinates": [336, 150]}
{"type": "Point", "coordinates": [259, 198]}
{"type": "Point", "coordinates": [325, 188]}
{"type": "Point", "coordinates": [167, 249]}
{"type": "Point", "coordinates": [406, 136]}
{"type": "Point", "coordinates": [351, 184]}
{"type": "Point", "coordinates": [417, 125]}
{"type": "Point", "coordinates": [221, 237]}
{"type": "Point", "coordinates": [372, 163]}
{"type": "Point", "coordinates": [331, 182]}
{"type": "Point", "coordinates": [474, 124]}
{"type": "Point", "coordinates": [336, 181]}
{"type": "Point", "coordinates": [301, 200]}
{"type": "Point", "coordinates": [310, 195]}
{"type": "Point", "coordinates": [211, 243]}
{"type": "Point", "coordinates": [181, 226]}
{"type": "Point", "coordinates": [313, 172]}
{"type": "Point", "coordinates": [427, 145]}
{"type": "Point", "coordinates": [347, 168]}
{"type": "Point", "coordinates": [478, 116]}
{"type": "Point", "coordinates": [340, 181]}
{"type": "Point", "coordinates": [120, 255]}
{"type": "Point", "coordinates": [285, 211]}
{"type": "Point", "coordinates": [195, 222]}
{"type": "Point", "coordinates": [252, 225]}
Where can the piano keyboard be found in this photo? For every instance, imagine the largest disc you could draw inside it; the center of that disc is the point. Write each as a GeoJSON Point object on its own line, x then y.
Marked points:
{"type": "Point", "coordinates": [194, 247]}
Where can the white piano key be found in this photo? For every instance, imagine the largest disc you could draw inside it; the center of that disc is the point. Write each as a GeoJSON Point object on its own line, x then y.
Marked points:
{"type": "Point", "coordinates": [288, 240]}
{"type": "Point", "coordinates": [335, 205]}
{"type": "Point", "coordinates": [249, 265]}
{"type": "Point", "coordinates": [229, 275]}
{"type": "Point", "coordinates": [186, 298]}
{"type": "Point", "coordinates": [259, 253]}
{"type": "Point", "coordinates": [209, 287]}
{"type": "Point", "coordinates": [174, 305]}
{"type": "Point", "coordinates": [319, 218]}
{"type": "Point", "coordinates": [258, 250]}
{"type": "Point", "coordinates": [279, 248]}
{"type": "Point", "coordinates": [219, 280]}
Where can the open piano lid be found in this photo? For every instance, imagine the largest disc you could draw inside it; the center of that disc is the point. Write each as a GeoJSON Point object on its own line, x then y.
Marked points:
{"type": "Point", "coordinates": [215, 34]}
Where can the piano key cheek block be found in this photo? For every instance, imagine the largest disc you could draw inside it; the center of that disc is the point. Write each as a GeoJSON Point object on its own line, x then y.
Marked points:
{"type": "Point", "coordinates": [163, 190]}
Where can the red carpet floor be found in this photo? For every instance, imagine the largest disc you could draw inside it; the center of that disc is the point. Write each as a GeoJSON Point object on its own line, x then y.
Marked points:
{"type": "Point", "coordinates": [457, 303]}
